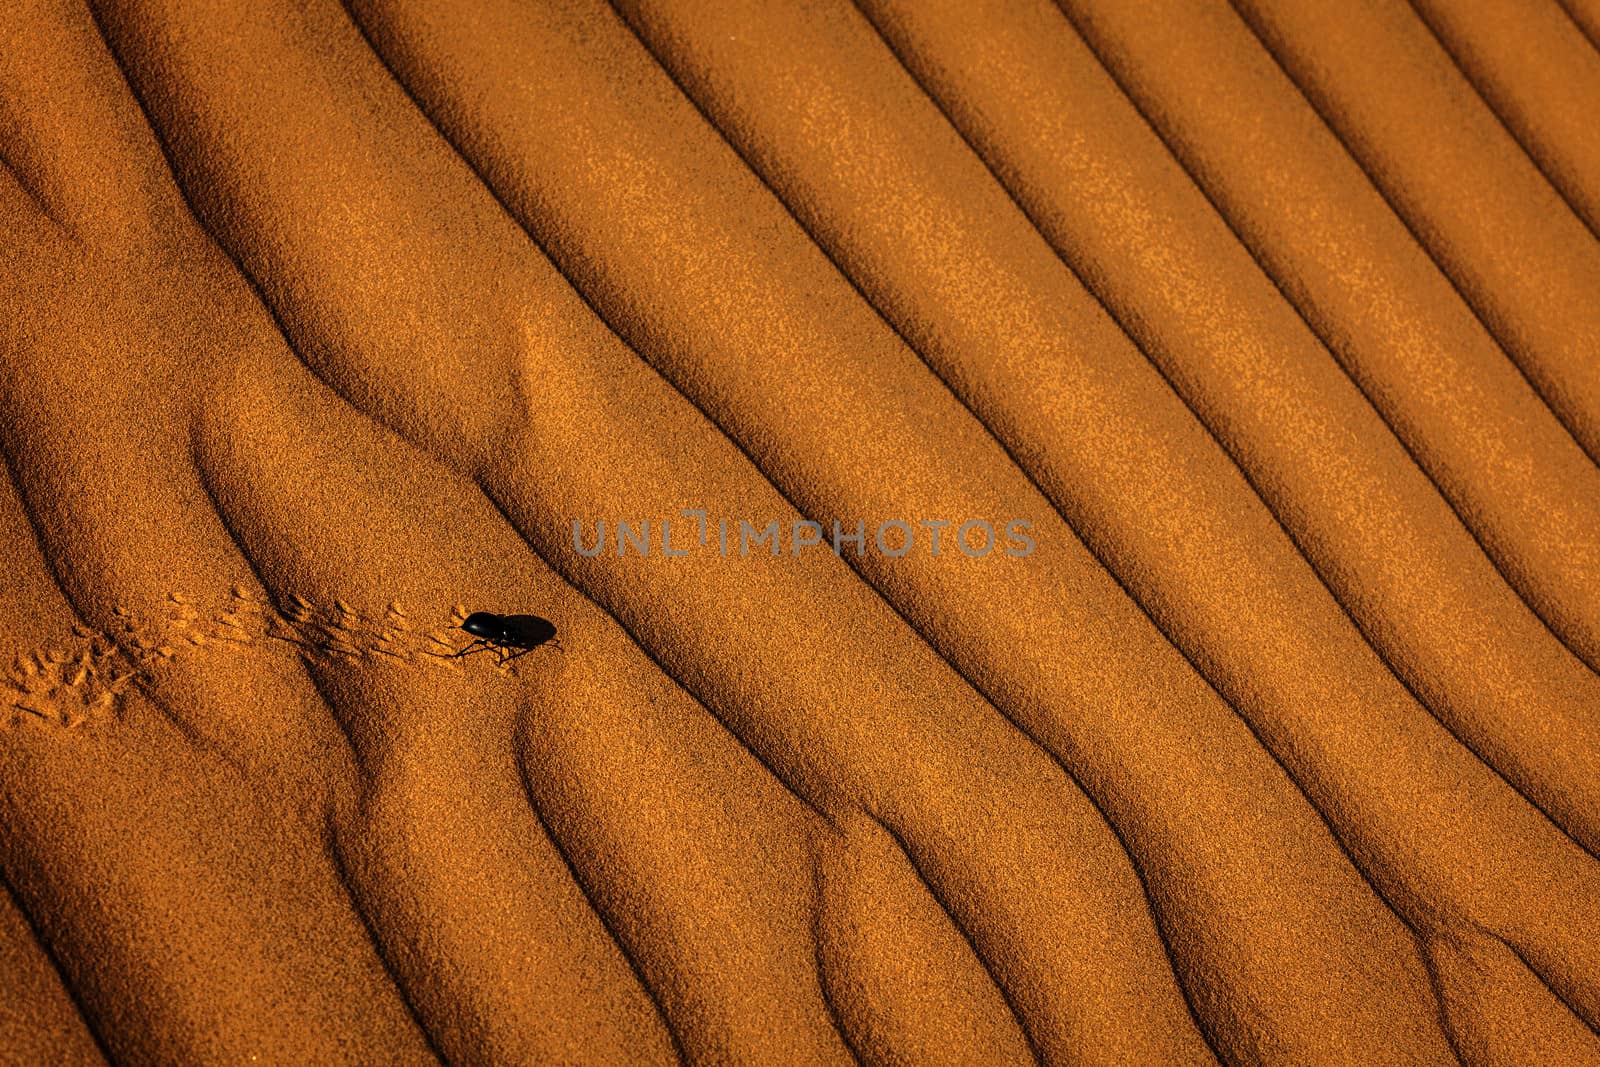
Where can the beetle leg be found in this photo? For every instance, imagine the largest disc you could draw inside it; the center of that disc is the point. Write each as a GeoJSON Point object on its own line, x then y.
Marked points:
{"type": "Point", "coordinates": [469, 648]}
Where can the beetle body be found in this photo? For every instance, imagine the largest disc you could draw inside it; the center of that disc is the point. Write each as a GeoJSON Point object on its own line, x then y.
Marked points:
{"type": "Point", "coordinates": [505, 633]}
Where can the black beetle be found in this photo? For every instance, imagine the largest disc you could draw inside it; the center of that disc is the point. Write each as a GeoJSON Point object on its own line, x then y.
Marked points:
{"type": "Point", "coordinates": [505, 632]}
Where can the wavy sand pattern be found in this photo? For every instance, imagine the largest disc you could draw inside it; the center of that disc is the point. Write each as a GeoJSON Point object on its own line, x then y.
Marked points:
{"type": "Point", "coordinates": [320, 324]}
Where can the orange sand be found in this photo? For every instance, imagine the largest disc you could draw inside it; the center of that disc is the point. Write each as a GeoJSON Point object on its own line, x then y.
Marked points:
{"type": "Point", "coordinates": [322, 324]}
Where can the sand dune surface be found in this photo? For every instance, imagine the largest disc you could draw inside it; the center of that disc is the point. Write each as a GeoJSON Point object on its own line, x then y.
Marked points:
{"type": "Point", "coordinates": [1255, 341]}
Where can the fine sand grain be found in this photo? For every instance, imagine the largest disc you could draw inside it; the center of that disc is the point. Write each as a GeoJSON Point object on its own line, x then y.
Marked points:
{"type": "Point", "coordinates": [1276, 322]}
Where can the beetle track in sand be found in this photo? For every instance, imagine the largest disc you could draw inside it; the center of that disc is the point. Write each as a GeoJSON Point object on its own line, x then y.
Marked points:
{"type": "Point", "coordinates": [67, 687]}
{"type": "Point", "coordinates": [84, 679]}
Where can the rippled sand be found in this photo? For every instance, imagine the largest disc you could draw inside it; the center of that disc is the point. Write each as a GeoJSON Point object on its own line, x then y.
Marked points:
{"type": "Point", "coordinates": [320, 326]}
